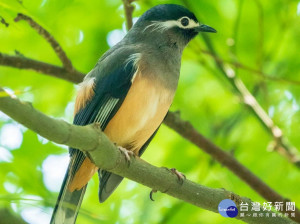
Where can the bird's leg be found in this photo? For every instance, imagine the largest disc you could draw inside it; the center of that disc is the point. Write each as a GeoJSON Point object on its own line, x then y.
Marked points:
{"type": "Point", "coordinates": [127, 153]}
{"type": "Point", "coordinates": [181, 177]}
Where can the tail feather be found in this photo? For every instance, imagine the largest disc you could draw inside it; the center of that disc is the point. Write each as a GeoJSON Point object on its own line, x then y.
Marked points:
{"type": "Point", "coordinates": [68, 203]}
{"type": "Point", "coordinates": [108, 183]}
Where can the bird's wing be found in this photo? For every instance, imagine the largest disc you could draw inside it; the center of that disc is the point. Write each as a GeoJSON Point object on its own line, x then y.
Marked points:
{"type": "Point", "coordinates": [99, 99]}
{"type": "Point", "coordinates": [109, 93]}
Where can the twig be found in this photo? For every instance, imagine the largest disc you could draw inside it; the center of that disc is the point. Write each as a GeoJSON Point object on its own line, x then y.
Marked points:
{"type": "Point", "coordinates": [48, 37]}
{"type": "Point", "coordinates": [107, 156]}
{"type": "Point", "coordinates": [41, 67]}
{"type": "Point", "coordinates": [254, 71]}
{"type": "Point", "coordinates": [264, 75]}
{"type": "Point", "coordinates": [249, 100]}
{"type": "Point", "coordinates": [281, 143]}
{"type": "Point", "coordinates": [128, 9]}
{"type": "Point", "coordinates": [4, 22]}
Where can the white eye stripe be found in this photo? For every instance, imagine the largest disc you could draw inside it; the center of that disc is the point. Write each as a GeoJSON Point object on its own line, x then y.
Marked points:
{"type": "Point", "coordinates": [162, 26]}
{"type": "Point", "coordinates": [192, 23]}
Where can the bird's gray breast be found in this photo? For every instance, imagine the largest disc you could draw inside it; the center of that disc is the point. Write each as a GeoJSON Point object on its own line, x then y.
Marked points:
{"type": "Point", "coordinates": [161, 65]}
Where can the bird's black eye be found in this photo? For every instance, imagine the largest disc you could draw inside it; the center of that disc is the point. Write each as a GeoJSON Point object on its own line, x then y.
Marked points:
{"type": "Point", "coordinates": [185, 21]}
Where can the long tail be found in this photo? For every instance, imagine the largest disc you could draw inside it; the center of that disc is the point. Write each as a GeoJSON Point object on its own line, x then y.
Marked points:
{"type": "Point", "coordinates": [68, 203]}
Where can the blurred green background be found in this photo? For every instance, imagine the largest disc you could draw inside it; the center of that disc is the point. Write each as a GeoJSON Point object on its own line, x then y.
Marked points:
{"type": "Point", "coordinates": [260, 34]}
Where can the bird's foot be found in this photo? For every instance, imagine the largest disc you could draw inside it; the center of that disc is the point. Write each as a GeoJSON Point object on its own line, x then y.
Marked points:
{"type": "Point", "coordinates": [151, 194]}
{"type": "Point", "coordinates": [127, 153]}
{"type": "Point", "coordinates": [181, 177]}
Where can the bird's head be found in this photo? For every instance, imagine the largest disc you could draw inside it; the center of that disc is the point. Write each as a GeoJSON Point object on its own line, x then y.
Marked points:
{"type": "Point", "coordinates": [174, 22]}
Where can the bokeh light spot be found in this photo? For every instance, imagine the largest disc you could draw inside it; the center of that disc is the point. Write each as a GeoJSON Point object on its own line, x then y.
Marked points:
{"type": "Point", "coordinates": [54, 168]}
{"type": "Point", "coordinates": [11, 136]}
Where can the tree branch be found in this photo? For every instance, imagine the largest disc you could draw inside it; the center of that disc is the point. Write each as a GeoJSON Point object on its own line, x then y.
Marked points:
{"type": "Point", "coordinates": [187, 131]}
{"type": "Point", "coordinates": [128, 9]}
{"type": "Point", "coordinates": [67, 64]}
{"type": "Point", "coordinates": [106, 156]}
{"type": "Point", "coordinates": [41, 67]}
{"type": "Point", "coordinates": [281, 143]}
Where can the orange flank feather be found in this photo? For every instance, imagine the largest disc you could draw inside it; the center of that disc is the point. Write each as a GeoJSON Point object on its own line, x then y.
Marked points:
{"type": "Point", "coordinates": [144, 108]}
{"type": "Point", "coordinates": [83, 175]}
{"type": "Point", "coordinates": [85, 94]}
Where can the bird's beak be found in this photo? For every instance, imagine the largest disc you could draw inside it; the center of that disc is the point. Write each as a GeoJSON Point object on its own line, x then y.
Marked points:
{"type": "Point", "coordinates": [205, 28]}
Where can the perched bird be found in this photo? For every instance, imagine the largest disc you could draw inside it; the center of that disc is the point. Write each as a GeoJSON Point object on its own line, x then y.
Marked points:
{"type": "Point", "coordinates": [128, 93]}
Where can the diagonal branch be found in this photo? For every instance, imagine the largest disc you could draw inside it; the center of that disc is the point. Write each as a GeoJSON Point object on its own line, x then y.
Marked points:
{"type": "Point", "coordinates": [106, 156]}
{"type": "Point", "coordinates": [67, 64]}
{"type": "Point", "coordinates": [281, 143]}
{"type": "Point", "coordinates": [187, 131]}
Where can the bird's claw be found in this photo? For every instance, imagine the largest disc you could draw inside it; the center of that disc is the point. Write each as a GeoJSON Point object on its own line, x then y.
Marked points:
{"type": "Point", "coordinates": [181, 177]}
{"type": "Point", "coordinates": [127, 153]}
{"type": "Point", "coordinates": [151, 194]}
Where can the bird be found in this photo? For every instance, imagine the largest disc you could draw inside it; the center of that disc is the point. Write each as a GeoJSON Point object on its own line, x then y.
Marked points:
{"type": "Point", "coordinates": [128, 93]}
